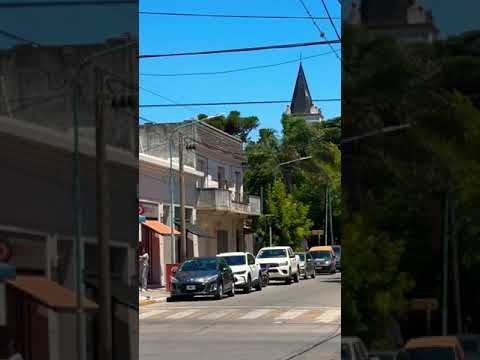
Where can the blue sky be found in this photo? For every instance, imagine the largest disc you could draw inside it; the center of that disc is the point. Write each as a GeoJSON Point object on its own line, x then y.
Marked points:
{"type": "Point", "coordinates": [159, 34]}
{"type": "Point", "coordinates": [90, 24]}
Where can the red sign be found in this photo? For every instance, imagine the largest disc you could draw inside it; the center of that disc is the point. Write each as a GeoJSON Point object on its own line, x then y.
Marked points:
{"type": "Point", "coordinates": [141, 210]}
{"type": "Point", "coordinates": [5, 251]}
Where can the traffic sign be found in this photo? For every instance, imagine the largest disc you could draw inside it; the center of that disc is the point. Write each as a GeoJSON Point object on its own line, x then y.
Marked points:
{"type": "Point", "coordinates": [141, 210]}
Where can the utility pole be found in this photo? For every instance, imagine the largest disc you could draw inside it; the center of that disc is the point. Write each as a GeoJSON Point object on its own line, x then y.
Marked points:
{"type": "Point", "coordinates": [445, 266]}
{"type": "Point", "coordinates": [270, 232]}
{"type": "Point", "coordinates": [183, 230]}
{"type": "Point", "coordinates": [330, 215]}
{"type": "Point", "coordinates": [326, 216]}
{"type": "Point", "coordinates": [104, 336]}
{"type": "Point", "coordinates": [456, 270]}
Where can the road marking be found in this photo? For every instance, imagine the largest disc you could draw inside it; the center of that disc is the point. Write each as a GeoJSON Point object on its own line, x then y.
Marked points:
{"type": "Point", "coordinates": [216, 315]}
{"type": "Point", "coordinates": [182, 314]}
{"type": "Point", "coordinates": [255, 314]}
{"type": "Point", "coordinates": [151, 313]}
{"type": "Point", "coordinates": [329, 316]}
{"type": "Point", "coordinates": [291, 314]}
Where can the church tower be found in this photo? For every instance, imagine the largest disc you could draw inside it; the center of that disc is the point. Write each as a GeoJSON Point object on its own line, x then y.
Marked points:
{"type": "Point", "coordinates": [302, 104]}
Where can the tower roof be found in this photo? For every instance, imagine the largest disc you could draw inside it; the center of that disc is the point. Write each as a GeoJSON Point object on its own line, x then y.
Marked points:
{"type": "Point", "coordinates": [301, 100]}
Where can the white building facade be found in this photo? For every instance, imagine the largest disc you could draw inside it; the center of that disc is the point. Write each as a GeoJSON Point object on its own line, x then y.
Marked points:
{"type": "Point", "coordinates": [218, 210]}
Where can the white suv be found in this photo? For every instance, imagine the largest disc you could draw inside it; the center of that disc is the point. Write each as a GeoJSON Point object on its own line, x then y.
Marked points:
{"type": "Point", "coordinates": [245, 269]}
{"type": "Point", "coordinates": [281, 263]}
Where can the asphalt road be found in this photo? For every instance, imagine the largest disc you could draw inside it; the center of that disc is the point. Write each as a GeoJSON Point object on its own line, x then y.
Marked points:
{"type": "Point", "coordinates": [282, 322]}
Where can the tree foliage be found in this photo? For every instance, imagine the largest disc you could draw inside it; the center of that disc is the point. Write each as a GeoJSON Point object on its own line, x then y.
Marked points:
{"type": "Point", "coordinates": [234, 124]}
{"type": "Point", "coordinates": [396, 183]}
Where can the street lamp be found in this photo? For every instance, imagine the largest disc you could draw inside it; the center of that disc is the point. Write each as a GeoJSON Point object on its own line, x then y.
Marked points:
{"type": "Point", "coordinates": [172, 205]}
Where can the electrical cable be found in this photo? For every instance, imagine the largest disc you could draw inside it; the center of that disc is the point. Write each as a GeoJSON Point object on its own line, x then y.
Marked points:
{"type": "Point", "coordinates": [231, 16]}
{"type": "Point", "coordinates": [239, 69]}
{"type": "Point", "coordinates": [322, 34]}
{"type": "Point", "coordinates": [331, 20]}
{"type": "Point", "coordinates": [332, 335]}
{"type": "Point", "coordinates": [258, 48]}
{"type": "Point", "coordinates": [18, 38]}
{"type": "Point", "coordinates": [233, 103]}
{"type": "Point", "coordinates": [173, 102]}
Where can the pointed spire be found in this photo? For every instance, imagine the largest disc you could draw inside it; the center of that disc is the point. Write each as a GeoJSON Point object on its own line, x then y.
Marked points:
{"type": "Point", "coordinates": [301, 100]}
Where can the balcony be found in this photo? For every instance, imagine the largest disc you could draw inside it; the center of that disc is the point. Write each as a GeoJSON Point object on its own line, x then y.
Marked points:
{"type": "Point", "coordinates": [214, 199]}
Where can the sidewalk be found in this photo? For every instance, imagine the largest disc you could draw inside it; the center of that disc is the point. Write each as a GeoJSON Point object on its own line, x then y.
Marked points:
{"type": "Point", "coordinates": [152, 296]}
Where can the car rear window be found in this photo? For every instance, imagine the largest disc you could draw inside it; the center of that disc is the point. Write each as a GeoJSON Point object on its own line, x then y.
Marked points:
{"type": "Point", "coordinates": [235, 260]}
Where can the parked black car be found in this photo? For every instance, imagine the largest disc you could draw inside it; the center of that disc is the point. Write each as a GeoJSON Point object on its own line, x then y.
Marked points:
{"type": "Point", "coordinates": [307, 266]}
{"type": "Point", "coordinates": [203, 276]}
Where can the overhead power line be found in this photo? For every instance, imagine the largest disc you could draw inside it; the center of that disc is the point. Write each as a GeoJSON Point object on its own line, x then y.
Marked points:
{"type": "Point", "coordinates": [331, 20]}
{"type": "Point", "coordinates": [238, 69]}
{"type": "Point", "coordinates": [231, 16]}
{"type": "Point", "coordinates": [31, 4]}
{"type": "Point", "coordinates": [233, 103]}
{"type": "Point", "coordinates": [259, 48]}
{"type": "Point", "coordinates": [172, 102]}
{"type": "Point", "coordinates": [16, 37]}
{"type": "Point", "coordinates": [322, 33]}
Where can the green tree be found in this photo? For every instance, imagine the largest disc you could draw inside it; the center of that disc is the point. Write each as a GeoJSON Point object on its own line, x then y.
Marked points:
{"type": "Point", "coordinates": [288, 217]}
{"type": "Point", "coordinates": [234, 124]}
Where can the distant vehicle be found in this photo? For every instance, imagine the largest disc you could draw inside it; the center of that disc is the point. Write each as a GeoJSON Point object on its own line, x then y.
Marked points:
{"type": "Point", "coordinates": [324, 259]}
{"type": "Point", "coordinates": [353, 349]}
{"type": "Point", "coordinates": [281, 263]}
{"type": "Point", "coordinates": [246, 270]}
{"type": "Point", "coordinates": [338, 256]}
{"type": "Point", "coordinates": [471, 345]}
{"type": "Point", "coordinates": [435, 347]}
{"type": "Point", "coordinates": [203, 276]}
{"type": "Point", "coordinates": [306, 265]}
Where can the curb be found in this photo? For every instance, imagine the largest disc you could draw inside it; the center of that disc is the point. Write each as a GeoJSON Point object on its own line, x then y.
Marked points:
{"type": "Point", "coordinates": [152, 301]}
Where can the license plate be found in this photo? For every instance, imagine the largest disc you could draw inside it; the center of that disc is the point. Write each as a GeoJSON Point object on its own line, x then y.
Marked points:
{"type": "Point", "coordinates": [191, 287]}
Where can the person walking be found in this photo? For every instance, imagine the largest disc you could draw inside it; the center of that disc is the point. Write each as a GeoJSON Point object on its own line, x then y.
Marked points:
{"type": "Point", "coordinates": [12, 350]}
{"type": "Point", "coordinates": [144, 266]}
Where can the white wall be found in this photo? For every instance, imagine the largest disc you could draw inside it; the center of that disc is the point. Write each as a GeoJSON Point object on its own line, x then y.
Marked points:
{"type": "Point", "coordinates": [212, 222]}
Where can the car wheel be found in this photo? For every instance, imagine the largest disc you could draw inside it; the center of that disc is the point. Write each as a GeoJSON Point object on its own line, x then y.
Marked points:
{"type": "Point", "coordinates": [219, 293]}
{"type": "Point", "coordinates": [258, 285]}
{"type": "Point", "coordinates": [172, 299]}
{"type": "Point", "coordinates": [288, 280]}
{"type": "Point", "coordinates": [296, 277]}
{"type": "Point", "coordinates": [248, 286]}
{"type": "Point", "coordinates": [306, 274]}
{"type": "Point", "coordinates": [232, 292]}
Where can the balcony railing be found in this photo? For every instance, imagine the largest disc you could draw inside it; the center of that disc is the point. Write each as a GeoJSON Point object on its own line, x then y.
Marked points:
{"type": "Point", "coordinates": [225, 200]}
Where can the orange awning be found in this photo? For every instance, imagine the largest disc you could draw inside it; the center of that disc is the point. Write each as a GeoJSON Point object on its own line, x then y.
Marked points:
{"type": "Point", "coordinates": [160, 228]}
{"type": "Point", "coordinates": [49, 293]}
